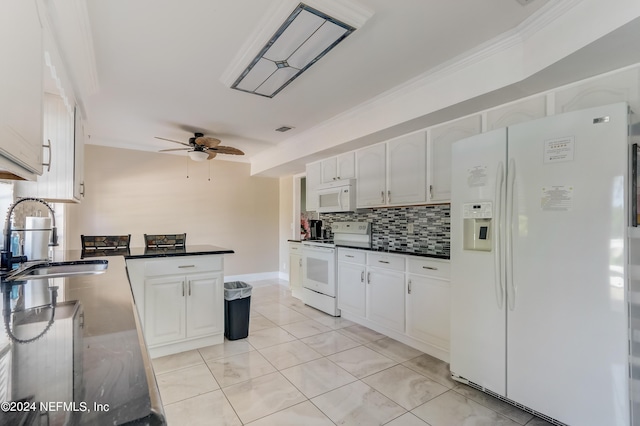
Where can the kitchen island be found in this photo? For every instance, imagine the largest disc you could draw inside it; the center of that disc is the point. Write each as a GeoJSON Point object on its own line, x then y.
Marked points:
{"type": "Point", "coordinates": [91, 365]}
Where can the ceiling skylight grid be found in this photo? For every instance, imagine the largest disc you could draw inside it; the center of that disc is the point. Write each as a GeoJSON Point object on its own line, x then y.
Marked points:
{"type": "Point", "coordinates": [305, 37]}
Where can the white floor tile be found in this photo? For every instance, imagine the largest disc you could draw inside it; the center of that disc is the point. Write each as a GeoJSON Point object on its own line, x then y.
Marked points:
{"type": "Point", "coordinates": [239, 368]}
{"type": "Point", "coordinates": [317, 377]}
{"type": "Point", "coordinates": [185, 383]}
{"type": "Point", "coordinates": [176, 361]}
{"type": "Point", "coordinates": [288, 354]}
{"type": "Point", "coordinates": [362, 361]}
{"type": "Point", "coordinates": [260, 397]}
{"type": "Point", "coordinates": [358, 404]}
{"type": "Point", "coordinates": [303, 414]}
{"type": "Point", "coordinates": [209, 409]}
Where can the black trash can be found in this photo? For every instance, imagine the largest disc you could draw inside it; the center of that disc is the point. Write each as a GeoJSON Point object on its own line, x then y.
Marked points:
{"type": "Point", "coordinates": [237, 302]}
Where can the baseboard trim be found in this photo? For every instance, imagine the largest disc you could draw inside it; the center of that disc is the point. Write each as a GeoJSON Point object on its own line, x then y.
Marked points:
{"type": "Point", "coordinates": [275, 275]}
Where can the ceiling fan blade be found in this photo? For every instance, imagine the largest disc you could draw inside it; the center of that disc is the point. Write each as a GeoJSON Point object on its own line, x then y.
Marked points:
{"type": "Point", "coordinates": [211, 156]}
{"type": "Point", "coordinates": [174, 149]}
{"type": "Point", "coordinates": [226, 150]}
{"type": "Point", "coordinates": [170, 140]}
{"type": "Point", "coordinates": [208, 141]}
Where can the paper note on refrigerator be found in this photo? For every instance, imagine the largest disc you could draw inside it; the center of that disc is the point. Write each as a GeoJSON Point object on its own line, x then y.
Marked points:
{"type": "Point", "coordinates": [557, 198]}
{"type": "Point", "coordinates": [559, 150]}
{"type": "Point", "coordinates": [477, 176]}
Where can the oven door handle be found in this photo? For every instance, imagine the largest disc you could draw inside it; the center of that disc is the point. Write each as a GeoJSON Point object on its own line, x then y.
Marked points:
{"type": "Point", "coordinates": [318, 249]}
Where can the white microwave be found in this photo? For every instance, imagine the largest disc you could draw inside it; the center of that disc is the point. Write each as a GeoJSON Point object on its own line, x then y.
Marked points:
{"type": "Point", "coordinates": [337, 196]}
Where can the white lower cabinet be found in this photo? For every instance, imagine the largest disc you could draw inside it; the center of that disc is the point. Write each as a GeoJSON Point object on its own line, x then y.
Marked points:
{"type": "Point", "coordinates": [295, 269]}
{"type": "Point", "coordinates": [203, 292]}
{"type": "Point", "coordinates": [165, 310]}
{"type": "Point", "coordinates": [428, 301]}
{"type": "Point", "coordinates": [351, 281]}
{"type": "Point", "coordinates": [385, 298]}
{"type": "Point", "coordinates": [405, 297]}
{"type": "Point", "coordinates": [180, 301]}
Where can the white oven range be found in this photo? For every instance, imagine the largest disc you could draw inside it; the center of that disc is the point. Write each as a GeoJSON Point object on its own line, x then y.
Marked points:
{"type": "Point", "coordinates": [319, 282]}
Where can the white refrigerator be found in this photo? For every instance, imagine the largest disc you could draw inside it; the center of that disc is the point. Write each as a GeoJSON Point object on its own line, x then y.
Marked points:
{"type": "Point", "coordinates": [539, 217]}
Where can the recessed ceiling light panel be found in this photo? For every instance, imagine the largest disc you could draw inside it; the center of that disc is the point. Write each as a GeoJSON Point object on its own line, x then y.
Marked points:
{"type": "Point", "coordinates": [305, 37]}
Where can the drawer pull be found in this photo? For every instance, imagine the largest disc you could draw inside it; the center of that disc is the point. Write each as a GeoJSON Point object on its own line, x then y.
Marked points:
{"type": "Point", "coordinates": [430, 268]}
{"type": "Point", "coordinates": [349, 255]}
{"type": "Point", "coordinates": [187, 266]}
{"type": "Point", "coordinates": [383, 261]}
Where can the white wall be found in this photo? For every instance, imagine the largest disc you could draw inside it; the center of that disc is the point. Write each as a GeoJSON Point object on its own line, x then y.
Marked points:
{"type": "Point", "coordinates": [135, 192]}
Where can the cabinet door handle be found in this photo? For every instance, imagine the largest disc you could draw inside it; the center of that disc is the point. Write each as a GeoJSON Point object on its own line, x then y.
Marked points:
{"type": "Point", "coordinates": [48, 165]}
{"type": "Point", "coordinates": [430, 268]}
{"type": "Point", "coordinates": [300, 262]}
{"type": "Point", "coordinates": [382, 196]}
{"type": "Point", "coordinates": [430, 192]}
{"type": "Point", "coordinates": [189, 288]}
{"type": "Point", "coordinates": [362, 276]}
{"type": "Point", "coordinates": [187, 266]}
{"type": "Point", "coordinates": [388, 196]}
{"type": "Point", "coordinates": [383, 261]}
{"type": "Point", "coordinates": [368, 277]}
{"type": "Point", "coordinates": [409, 287]}
{"type": "Point", "coordinates": [182, 288]}
{"type": "Point", "coordinates": [82, 191]}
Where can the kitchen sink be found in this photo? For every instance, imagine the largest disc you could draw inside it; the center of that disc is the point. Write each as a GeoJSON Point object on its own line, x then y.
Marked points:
{"type": "Point", "coordinates": [46, 270]}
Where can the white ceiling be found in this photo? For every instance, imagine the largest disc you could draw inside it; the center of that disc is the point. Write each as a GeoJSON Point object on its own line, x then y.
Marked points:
{"type": "Point", "coordinates": [159, 66]}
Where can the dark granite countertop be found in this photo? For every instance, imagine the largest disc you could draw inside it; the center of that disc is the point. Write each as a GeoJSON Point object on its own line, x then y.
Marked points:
{"type": "Point", "coordinates": [432, 255]}
{"type": "Point", "coordinates": [91, 365]}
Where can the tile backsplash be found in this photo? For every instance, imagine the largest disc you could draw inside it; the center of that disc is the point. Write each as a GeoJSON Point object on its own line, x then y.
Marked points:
{"type": "Point", "coordinates": [431, 227]}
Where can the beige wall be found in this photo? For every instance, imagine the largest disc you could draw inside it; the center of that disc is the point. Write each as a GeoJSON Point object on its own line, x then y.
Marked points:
{"type": "Point", "coordinates": [135, 192]}
{"type": "Point", "coordinates": [286, 220]}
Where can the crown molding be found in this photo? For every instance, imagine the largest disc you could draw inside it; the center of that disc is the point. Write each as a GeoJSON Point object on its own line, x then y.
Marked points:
{"type": "Point", "coordinates": [505, 41]}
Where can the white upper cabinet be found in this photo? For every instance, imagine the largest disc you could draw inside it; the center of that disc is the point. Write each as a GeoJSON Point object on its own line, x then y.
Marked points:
{"type": "Point", "coordinates": [314, 178]}
{"type": "Point", "coordinates": [441, 139]}
{"type": "Point", "coordinates": [21, 87]}
{"type": "Point", "coordinates": [407, 172]}
{"type": "Point", "coordinates": [346, 165]}
{"type": "Point", "coordinates": [62, 177]}
{"type": "Point", "coordinates": [392, 173]}
{"type": "Point", "coordinates": [341, 167]}
{"type": "Point", "coordinates": [329, 169]}
{"type": "Point", "coordinates": [371, 166]}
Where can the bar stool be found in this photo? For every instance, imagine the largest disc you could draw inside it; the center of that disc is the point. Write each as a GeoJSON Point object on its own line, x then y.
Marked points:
{"type": "Point", "coordinates": [165, 240]}
{"type": "Point", "coordinates": [105, 242]}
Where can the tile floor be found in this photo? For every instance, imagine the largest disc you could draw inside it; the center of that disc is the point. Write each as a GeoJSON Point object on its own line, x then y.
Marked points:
{"type": "Point", "coordinates": [300, 366]}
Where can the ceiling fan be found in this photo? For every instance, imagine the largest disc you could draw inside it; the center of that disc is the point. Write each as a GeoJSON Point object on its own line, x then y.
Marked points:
{"type": "Point", "coordinates": [201, 147]}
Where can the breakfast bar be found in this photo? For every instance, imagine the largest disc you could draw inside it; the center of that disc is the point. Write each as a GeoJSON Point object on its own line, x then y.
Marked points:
{"type": "Point", "coordinates": [75, 352]}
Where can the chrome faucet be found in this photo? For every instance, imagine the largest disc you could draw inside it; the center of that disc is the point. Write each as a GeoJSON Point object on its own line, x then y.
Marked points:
{"type": "Point", "coordinates": [6, 257]}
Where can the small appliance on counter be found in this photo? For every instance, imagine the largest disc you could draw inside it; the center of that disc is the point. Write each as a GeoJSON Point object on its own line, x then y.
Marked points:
{"type": "Point", "coordinates": [315, 226]}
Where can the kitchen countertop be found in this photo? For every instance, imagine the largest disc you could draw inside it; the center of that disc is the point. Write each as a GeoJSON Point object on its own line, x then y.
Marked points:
{"type": "Point", "coordinates": [379, 250]}
{"type": "Point", "coordinates": [110, 378]}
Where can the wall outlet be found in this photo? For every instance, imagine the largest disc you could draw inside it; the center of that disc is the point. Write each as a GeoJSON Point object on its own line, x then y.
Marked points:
{"type": "Point", "coordinates": [409, 228]}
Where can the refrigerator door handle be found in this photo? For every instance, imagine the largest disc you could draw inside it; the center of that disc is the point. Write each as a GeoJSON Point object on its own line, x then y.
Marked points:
{"type": "Point", "coordinates": [511, 288]}
{"type": "Point", "coordinates": [499, 282]}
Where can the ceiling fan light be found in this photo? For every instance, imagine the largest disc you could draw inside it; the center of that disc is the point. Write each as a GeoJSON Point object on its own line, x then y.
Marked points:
{"type": "Point", "coordinates": [198, 155]}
